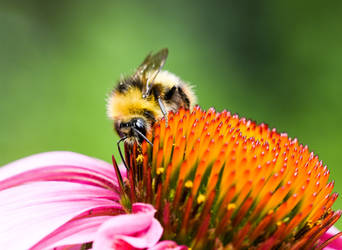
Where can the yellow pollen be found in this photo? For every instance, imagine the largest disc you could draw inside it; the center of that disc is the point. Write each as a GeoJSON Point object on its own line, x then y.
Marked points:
{"type": "Point", "coordinates": [200, 198]}
{"type": "Point", "coordinates": [160, 171]}
{"type": "Point", "coordinates": [172, 194]}
{"type": "Point", "coordinates": [231, 206]}
{"type": "Point", "coordinates": [279, 223]}
{"type": "Point", "coordinates": [270, 212]}
{"type": "Point", "coordinates": [188, 184]}
{"type": "Point", "coordinates": [140, 159]}
{"type": "Point", "coordinates": [310, 224]}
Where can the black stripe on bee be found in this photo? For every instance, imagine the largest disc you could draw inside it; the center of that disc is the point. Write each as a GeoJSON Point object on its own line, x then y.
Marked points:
{"type": "Point", "coordinates": [156, 90]}
{"type": "Point", "coordinates": [184, 97]}
{"type": "Point", "coordinates": [169, 94]}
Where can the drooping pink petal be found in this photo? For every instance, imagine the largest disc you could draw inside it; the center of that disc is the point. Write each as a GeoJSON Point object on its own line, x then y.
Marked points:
{"type": "Point", "coordinates": [62, 200]}
{"type": "Point", "coordinates": [37, 209]}
{"type": "Point", "coordinates": [137, 230]}
{"type": "Point", "coordinates": [336, 243]}
{"type": "Point", "coordinates": [145, 238]}
{"type": "Point", "coordinates": [59, 166]}
{"type": "Point", "coordinates": [74, 232]}
{"type": "Point", "coordinates": [56, 158]}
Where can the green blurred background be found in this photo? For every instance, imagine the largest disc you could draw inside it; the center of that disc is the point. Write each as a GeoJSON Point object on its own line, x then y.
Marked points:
{"type": "Point", "coordinates": [277, 62]}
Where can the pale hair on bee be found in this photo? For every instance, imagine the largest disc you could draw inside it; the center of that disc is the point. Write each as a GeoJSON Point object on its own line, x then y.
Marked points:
{"type": "Point", "coordinates": [138, 101]}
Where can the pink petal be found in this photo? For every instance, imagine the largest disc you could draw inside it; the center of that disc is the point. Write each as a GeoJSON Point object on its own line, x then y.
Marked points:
{"type": "Point", "coordinates": [59, 166]}
{"type": "Point", "coordinates": [54, 158]}
{"type": "Point", "coordinates": [147, 238]}
{"type": "Point", "coordinates": [74, 232]}
{"type": "Point", "coordinates": [337, 243]}
{"type": "Point", "coordinates": [138, 230]}
{"type": "Point", "coordinates": [168, 244]}
{"type": "Point", "coordinates": [35, 210]}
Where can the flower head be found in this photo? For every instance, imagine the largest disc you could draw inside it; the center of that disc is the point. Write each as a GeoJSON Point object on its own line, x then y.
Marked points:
{"type": "Point", "coordinates": [211, 180]}
{"type": "Point", "coordinates": [217, 180]}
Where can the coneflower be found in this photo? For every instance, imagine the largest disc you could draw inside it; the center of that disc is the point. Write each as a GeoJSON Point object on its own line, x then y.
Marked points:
{"type": "Point", "coordinates": [219, 181]}
{"type": "Point", "coordinates": [210, 181]}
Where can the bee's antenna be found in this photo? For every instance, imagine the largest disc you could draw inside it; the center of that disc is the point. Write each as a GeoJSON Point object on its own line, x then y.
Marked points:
{"type": "Point", "coordinates": [143, 136]}
{"type": "Point", "coordinates": [122, 158]}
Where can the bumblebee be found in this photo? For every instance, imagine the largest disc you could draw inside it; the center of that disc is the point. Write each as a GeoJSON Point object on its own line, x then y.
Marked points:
{"type": "Point", "coordinates": [138, 101]}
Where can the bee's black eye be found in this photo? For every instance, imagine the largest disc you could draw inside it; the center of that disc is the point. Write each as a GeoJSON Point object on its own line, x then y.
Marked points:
{"type": "Point", "coordinates": [138, 126]}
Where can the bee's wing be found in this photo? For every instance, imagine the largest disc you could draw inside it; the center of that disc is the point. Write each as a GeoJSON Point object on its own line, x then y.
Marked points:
{"type": "Point", "coordinates": [150, 68]}
{"type": "Point", "coordinates": [143, 66]}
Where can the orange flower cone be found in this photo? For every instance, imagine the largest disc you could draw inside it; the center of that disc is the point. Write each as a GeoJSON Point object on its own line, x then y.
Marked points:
{"type": "Point", "coordinates": [224, 182]}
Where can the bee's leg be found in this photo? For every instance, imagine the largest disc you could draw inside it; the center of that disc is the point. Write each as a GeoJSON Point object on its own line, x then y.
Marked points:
{"type": "Point", "coordinates": [122, 158]}
{"type": "Point", "coordinates": [163, 109]}
{"type": "Point", "coordinates": [143, 136]}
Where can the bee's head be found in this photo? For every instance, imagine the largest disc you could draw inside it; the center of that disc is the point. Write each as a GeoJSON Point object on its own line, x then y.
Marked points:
{"type": "Point", "coordinates": [134, 129]}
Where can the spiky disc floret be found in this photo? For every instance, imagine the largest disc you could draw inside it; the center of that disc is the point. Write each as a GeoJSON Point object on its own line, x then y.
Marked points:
{"type": "Point", "coordinates": [218, 180]}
